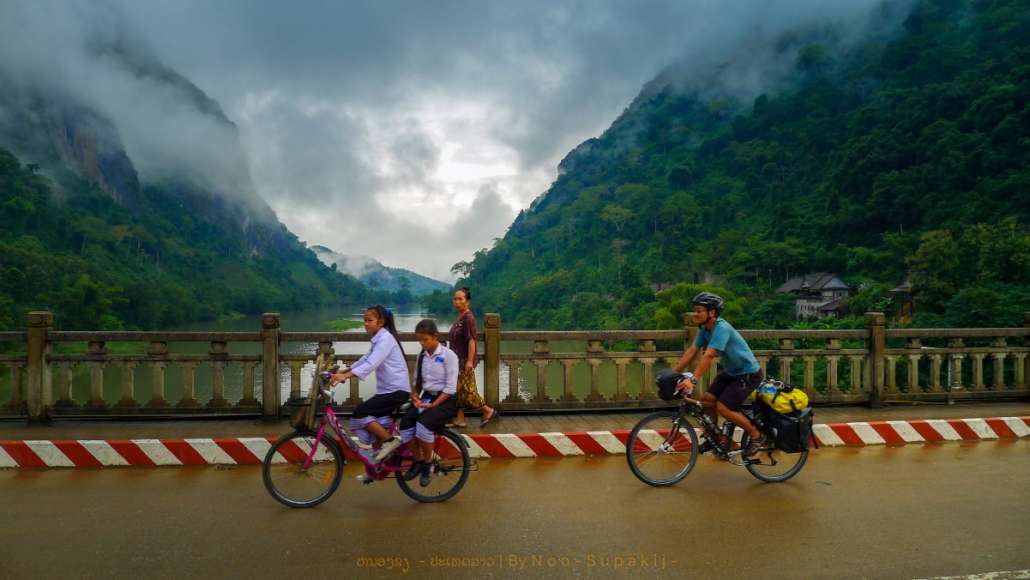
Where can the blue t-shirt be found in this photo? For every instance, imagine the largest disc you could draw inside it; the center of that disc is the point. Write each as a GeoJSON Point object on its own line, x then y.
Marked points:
{"type": "Point", "coordinates": [737, 358]}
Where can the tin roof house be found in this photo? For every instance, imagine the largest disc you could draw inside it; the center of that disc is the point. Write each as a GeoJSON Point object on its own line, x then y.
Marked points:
{"type": "Point", "coordinates": [818, 295]}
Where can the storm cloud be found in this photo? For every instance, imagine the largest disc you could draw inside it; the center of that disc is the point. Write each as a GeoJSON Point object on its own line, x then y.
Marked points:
{"type": "Point", "coordinates": [412, 132]}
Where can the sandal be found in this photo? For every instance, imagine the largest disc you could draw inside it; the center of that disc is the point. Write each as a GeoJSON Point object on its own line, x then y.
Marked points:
{"type": "Point", "coordinates": [485, 420]}
{"type": "Point", "coordinates": [457, 425]}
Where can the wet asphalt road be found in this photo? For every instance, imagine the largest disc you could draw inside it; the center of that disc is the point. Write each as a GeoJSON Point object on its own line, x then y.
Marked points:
{"type": "Point", "coordinates": [909, 512]}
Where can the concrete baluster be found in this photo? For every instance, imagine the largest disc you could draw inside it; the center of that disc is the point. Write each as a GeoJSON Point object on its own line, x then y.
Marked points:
{"type": "Point", "coordinates": [785, 361]}
{"type": "Point", "coordinates": [249, 402]}
{"type": "Point", "coordinates": [912, 384]}
{"type": "Point", "coordinates": [16, 403]}
{"type": "Point", "coordinates": [809, 373]}
{"type": "Point", "coordinates": [832, 368]}
{"type": "Point", "coordinates": [978, 371]}
{"type": "Point", "coordinates": [999, 363]}
{"type": "Point", "coordinates": [128, 383]}
{"type": "Point", "coordinates": [541, 347]}
{"type": "Point", "coordinates": [892, 374]}
{"type": "Point", "coordinates": [856, 374]}
{"type": "Point", "coordinates": [568, 388]}
{"type": "Point", "coordinates": [514, 370]}
{"type": "Point", "coordinates": [158, 351]}
{"type": "Point", "coordinates": [218, 352]}
{"type": "Point", "coordinates": [65, 375]}
{"type": "Point", "coordinates": [935, 373]}
{"type": "Point", "coordinates": [955, 360]}
{"type": "Point", "coordinates": [647, 392]}
{"type": "Point", "coordinates": [189, 384]}
{"type": "Point", "coordinates": [620, 385]}
{"type": "Point", "coordinates": [97, 351]}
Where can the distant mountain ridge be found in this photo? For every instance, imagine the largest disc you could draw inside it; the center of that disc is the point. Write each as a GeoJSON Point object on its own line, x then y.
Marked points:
{"type": "Point", "coordinates": [89, 235]}
{"type": "Point", "coordinates": [377, 276]}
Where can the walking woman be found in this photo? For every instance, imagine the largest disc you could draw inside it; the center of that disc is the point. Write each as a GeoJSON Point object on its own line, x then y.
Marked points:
{"type": "Point", "coordinates": [463, 343]}
{"type": "Point", "coordinates": [393, 387]}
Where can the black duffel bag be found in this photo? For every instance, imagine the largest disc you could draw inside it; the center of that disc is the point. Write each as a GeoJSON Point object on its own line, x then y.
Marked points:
{"type": "Point", "coordinates": [791, 432]}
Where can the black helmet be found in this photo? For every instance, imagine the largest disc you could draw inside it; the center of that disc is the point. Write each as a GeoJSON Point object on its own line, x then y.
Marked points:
{"type": "Point", "coordinates": [708, 300]}
{"type": "Point", "coordinates": [667, 381]}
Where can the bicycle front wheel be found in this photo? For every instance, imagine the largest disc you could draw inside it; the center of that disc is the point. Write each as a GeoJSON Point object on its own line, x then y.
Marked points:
{"type": "Point", "coordinates": [449, 470]}
{"type": "Point", "coordinates": [293, 484]}
{"type": "Point", "coordinates": [662, 448]}
{"type": "Point", "coordinates": [774, 466]}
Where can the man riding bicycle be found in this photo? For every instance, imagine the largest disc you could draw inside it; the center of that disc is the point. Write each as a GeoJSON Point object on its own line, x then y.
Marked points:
{"type": "Point", "coordinates": [741, 372]}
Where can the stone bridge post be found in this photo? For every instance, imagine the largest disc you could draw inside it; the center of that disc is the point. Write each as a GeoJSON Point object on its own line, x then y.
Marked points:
{"type": "Point", "coordinates": [38, 393]}
{"type": "Point", "coordinates": [270, 395]}
{"type": "Point", "coordinates": [875, 323]}
{"type": "Point", "coordinates": [492, 360]}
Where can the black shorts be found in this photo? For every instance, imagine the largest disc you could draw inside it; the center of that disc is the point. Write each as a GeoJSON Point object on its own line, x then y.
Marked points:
{"type": "Point", "coordinates": [381, 405]}
{"type": "Point", "coordinates": [732, 390]}
{"type": "Point", "coordinates": [433, 419]}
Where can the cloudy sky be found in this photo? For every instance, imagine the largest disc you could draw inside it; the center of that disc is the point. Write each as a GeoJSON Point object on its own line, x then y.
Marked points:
{"type": "Point", "coordinates": [413, 132]}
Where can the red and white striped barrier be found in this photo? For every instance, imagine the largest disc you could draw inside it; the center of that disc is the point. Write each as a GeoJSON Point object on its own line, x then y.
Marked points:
{"type": "Point", "coordinates": [252, 450]}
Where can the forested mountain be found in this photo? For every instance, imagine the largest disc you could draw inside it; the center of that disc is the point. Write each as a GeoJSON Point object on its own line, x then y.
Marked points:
{"type": "Point", "coordinates": [908, 155]}
{"type": "Point", "coordinates": [84, 235]}
{"type": "Point", "coordinates": [377, 276]}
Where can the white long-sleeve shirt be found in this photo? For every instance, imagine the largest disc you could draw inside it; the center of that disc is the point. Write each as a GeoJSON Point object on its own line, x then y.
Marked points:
{"type": "Point", "coordinates": [386, 359]}
{"type": "Point", "coordinates": [440, 371]}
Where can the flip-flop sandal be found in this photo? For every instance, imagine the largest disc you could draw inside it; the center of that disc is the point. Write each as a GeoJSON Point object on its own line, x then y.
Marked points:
{"type": "Point", "coordinates": [457, 425]}
{"type": "Point", "coordinates": [484, 421]}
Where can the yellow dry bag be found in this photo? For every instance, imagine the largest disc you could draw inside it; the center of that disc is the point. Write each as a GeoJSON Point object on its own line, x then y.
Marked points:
{"type": "Point", "coordinates": [782, 398]}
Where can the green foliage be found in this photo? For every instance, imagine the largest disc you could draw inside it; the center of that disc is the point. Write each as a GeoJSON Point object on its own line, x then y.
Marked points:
{"type": "Point", "coordinates": [97, 265]}
{"type": "Point", "coordinates": [904, 155]}
{"type": "Point", "coordinates": [343, 325]}
{"type": "Point", "coordinates": [674, 304]}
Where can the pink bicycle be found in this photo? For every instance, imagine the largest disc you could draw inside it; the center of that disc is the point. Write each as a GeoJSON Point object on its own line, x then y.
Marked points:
{"type": "Point", "coordinates": [304, 467]}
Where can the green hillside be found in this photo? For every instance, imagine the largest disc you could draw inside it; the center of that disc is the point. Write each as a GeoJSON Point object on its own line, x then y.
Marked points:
{"type": "Point", "coordinates": [908, 154]}
{"type": "Point", "coordinates": [96, 264]}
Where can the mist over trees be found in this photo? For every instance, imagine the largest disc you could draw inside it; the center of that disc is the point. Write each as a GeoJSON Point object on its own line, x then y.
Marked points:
{"type": "Point", "coordinates": [906, 156]}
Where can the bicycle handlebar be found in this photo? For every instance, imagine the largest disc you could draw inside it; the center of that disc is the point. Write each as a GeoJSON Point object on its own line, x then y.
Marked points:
{"type": "Point", "coordinates": [694, 401]}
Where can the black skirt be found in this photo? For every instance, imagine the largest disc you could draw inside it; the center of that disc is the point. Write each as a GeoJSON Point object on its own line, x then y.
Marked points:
{"type": "Point", "coordinates": [381, 405]}
{"type": "Point", "coordinates": [433, 419]}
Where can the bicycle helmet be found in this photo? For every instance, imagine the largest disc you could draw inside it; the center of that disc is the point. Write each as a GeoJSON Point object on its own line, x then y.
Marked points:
{"type": "Point", "coordinates": [666, 382]}
{"type": "Point", "coordinates": [708, 300]}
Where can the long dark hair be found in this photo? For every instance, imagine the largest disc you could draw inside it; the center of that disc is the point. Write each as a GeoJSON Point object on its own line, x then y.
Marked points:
{"type": "Point", "coordinates": [386, 315]}
{"type": "Point", "coordinates": [424, 326]}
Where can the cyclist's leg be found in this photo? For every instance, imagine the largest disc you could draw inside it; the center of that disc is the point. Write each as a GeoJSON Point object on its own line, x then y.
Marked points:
{"type": "Point", "coordinates": [713, 394]}
{"type": "Point", "coordinates": [733, 395]}
{"type": "Point", "coordinates": [430, 422]}
{"type": "Point", "coordinates": [407, 432]}
{"type": "Point", "coordinates": [366, 420]}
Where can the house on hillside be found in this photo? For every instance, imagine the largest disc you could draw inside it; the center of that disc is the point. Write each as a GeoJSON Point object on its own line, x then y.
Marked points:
{"type": "Point", "coordinates": [818, 295]}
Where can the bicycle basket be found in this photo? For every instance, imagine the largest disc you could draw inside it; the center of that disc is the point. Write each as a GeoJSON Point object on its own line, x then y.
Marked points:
{"type": "Point", "coordinates": [666, 382]}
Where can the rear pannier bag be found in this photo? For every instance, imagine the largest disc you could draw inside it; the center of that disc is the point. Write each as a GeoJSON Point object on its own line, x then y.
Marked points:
{"type": "Point", "coordinates": [792, 432]}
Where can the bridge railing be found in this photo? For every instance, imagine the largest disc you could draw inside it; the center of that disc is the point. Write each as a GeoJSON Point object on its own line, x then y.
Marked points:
{"type": "Point", "coordinates": [46, 373]}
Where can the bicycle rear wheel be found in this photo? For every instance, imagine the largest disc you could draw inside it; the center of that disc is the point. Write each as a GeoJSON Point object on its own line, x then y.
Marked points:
{"type": "Point", "coordinates": [289, 482]}
{"type": "Point", "coordinates": [662, 448]}
{"type": "Point", "coordinates": [449, 470]}
{"type": "Point", "coordinates": [774, 466]}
